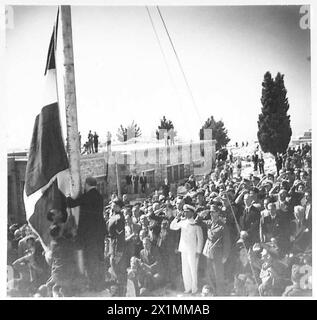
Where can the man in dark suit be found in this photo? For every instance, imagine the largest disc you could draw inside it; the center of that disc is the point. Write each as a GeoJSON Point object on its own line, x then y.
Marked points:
{"type": "Point", "coordinates": [274, 226]}
{"type": "Point", "coordinates": [91, 232]}
{"type": "Point", "coordinates": [143, 182]}
{"type": "Point", "coordinates": [96, 141]}
{"type": "Point", "coordinates": [165, 188]}
{"type": "Point", "coordinates": [250, 219]}
{"type": "Point", "coordinates": [151, 263]}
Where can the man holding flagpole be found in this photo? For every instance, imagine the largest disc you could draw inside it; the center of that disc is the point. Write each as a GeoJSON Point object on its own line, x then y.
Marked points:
{"type": "Point", "coordinates": [91, 232]}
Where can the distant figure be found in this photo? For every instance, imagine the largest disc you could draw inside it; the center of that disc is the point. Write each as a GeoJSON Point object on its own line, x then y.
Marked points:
{"type": "Point", "coordinates": [166, 138]}
{"type": "Point", "coordinates": [90, 142]}
{"type": "Point", "coordinates": [128, 179]}
{"type": "Point", "coordinates": [108, 140]}
{"type": "Point", "coordinates": [135, 183]}
{"type": "Point", "coordinates": [237, 144]}
{"type": "Point", "coordinates": [96, 142]}
{"type": "Point", "coordinates": [172, 136]}
{"type": "Point", "coordinates": [242, 144]}
{"type": "Point", "coordinates": [261, 164]}
{"type": "Point", "coordinates": [278, 163]}
{"type": "Point", "coordinates": [231, 157]}
{"type": "Point", "coordinates": [247, 143]}
{"type": "Point", "coordinates": [165, 188]}
{"type": "Point", "coordinates": [255, 160]}
{"type": "Point", "coordinates": [143, 182]}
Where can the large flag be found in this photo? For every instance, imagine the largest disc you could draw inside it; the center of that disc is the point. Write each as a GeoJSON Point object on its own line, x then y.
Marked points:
{"type": "Point", "coordinates": [47, 176]}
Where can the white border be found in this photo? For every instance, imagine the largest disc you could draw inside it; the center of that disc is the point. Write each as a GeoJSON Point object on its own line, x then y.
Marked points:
{"type": "Point", "coordinates": [3, 156]}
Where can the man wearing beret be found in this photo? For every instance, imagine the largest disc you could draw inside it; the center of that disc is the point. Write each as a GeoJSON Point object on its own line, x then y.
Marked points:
{"type": "Point", "coordinates": [190, 246]}
{"type": "Point", "coordinates": [91, 232]}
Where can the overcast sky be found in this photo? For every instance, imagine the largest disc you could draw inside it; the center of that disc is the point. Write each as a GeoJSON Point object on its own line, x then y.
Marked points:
{"type": "Point", "coordinates": [121, 74]}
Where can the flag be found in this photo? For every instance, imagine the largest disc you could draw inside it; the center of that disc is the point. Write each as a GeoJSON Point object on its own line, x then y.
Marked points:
{"type": "Point", "coordinates": [47, 175]}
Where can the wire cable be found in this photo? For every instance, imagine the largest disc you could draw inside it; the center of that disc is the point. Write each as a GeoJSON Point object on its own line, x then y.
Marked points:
{"type": "Point", "coordinates": [179, 64]}
{"type": "Point", "coordinates": [164, 57]}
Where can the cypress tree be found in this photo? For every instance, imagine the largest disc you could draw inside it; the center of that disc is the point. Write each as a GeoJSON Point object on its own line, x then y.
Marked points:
{"type": "Point", "coordinates": [274, 130]}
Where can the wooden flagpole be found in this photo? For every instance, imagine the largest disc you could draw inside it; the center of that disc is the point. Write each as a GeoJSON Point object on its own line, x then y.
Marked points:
{"type": "Point", "coordinates": [71, 112]}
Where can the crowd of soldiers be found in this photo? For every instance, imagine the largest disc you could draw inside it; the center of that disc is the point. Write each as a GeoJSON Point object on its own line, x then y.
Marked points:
{"type": "Point", "coordinates": [223, 234]}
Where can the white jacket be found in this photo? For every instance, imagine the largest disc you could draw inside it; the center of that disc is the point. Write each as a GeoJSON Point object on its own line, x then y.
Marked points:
{"type": "Point", "coordinates": [191, 239]}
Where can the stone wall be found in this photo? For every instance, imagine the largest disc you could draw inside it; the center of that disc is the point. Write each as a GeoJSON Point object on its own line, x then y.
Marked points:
{"type": "Point", "coordinates": [147, 160]}
{"type": "Point", "coordinates": [159, 162]}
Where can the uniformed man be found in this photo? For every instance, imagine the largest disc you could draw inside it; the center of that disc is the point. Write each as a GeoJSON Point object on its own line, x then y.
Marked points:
{"type": "Point", "coordinates": [190, 246]}
{"type": "Point", "coordinates": [217, 250]}
{"type": "Point", "coordinates": [118, 256]}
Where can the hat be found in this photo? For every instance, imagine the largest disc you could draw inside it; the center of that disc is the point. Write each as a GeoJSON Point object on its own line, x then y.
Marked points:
{"type": "Point", "coordinates": [91, 181]}
{"type": "Point", "coordinates": [118, 202]}
{"type": "Point", "coordinates": [200, 191]}
{"type": "Point", "coordinates": [213, 194]}
{"type": "Point", "coordinates": [161, 198]}
{"type": "Point", "coordinates": [214, 208]}
{"type": "Point", "coordinates": [266, 182]}
{"type": "Point", "coordinates": [188, 207]}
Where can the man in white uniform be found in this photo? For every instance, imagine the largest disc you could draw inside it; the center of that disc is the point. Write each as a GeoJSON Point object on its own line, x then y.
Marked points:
{"type": "Point", "coordinates": [190, 246]}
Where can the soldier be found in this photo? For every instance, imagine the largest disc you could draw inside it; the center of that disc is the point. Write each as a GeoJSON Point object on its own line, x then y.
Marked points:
{"type": "Point", "coordinates": [217, 250]}
{"type": "Point", "coordinates": [118, 256]}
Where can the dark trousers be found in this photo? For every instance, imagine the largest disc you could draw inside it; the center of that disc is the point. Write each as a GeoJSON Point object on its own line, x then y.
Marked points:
{"type": "Point", "coordinates": [95, 266]}
{"type": "Point", "coordinates": [215, 274]}
{"type": "Point", "coordinates": [119, 265]}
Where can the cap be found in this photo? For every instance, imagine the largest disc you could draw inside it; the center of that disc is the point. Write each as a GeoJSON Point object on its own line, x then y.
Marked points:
{"type": "Point", "coordinates": [118, 202]}
{"type": "Point", "coordinates": [188, 207]}
{"type": "Point", "coordinates": [214, 208]}
{"type": "Point", "coordinates": [91, 181]}
{"type": "Point", "coordinates": [200, 191]}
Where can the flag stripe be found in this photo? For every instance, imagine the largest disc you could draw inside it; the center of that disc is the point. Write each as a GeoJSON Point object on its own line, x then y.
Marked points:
{"type": "Point", "coordinates": [47, 154]}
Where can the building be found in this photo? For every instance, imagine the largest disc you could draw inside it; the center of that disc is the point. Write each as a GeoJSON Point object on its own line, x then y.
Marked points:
{"type": "Point", "coordinates": [306, 138]}
{"type": "Point", "coordinates": [156, 161]}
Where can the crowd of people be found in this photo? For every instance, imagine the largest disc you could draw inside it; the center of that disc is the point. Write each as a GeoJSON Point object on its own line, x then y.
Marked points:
{"type": "Point", "coordinates": [221, 235]}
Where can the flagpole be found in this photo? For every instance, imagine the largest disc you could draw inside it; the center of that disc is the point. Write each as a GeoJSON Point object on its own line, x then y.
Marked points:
{"type": "Point", "coordinates": [71, 112]}
{"type": "Point", "coordinates": [70, 102]}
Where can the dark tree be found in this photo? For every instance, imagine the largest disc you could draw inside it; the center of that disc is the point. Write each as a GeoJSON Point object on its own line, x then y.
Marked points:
{"type": "Point", "coordinates": [274, 130]}
{"type": "Point", "coordinates": [219, 132]}
{"type": "Point", "coordinates": [165, 125]}
{"type": "Point", "coordinates": [127, 133]}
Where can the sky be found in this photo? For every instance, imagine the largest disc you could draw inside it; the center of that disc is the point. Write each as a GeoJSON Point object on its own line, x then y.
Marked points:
{"type": "Point", "coordinates": [121, 74]}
